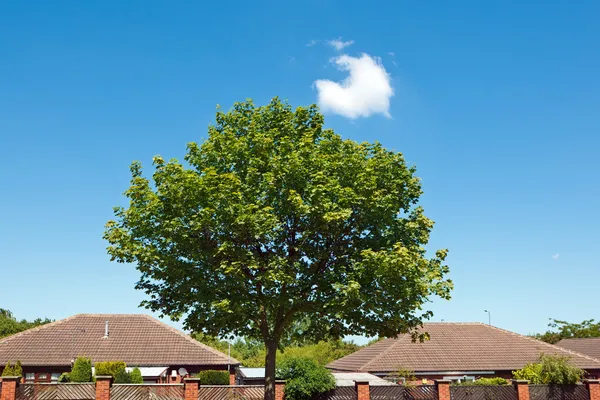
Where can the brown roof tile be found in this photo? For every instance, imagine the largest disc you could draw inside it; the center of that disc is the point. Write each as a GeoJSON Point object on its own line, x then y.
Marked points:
{"type": "Point", "coordinates": [455, 347]}
{"type": "Point", "coordinates": [588, 346]}
{"type": "Point", "coordinates": [136, 339]}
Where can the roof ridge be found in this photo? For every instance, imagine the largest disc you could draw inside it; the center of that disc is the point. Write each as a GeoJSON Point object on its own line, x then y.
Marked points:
{"type": "Point", "coordinates": [37, 328]}
{"type": "Point", "coordinates": [190, 339]}
{"type": "Point", "coordinates": [561, 349]}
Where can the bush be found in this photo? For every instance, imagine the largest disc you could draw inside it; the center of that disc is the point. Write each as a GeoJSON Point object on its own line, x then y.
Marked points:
{"type": "Point", "coordinates": [213, 377]}
{"type": "Point", "coordinates": [304, 378]}
{"type": "Point", "coordinates": [485, 382]}
{"type": "Point", "coordinates": [82, 370]}
{"type": "Point", "coordinates": [550, 370]}
{"type": "Point", "coordinates": [65, 377]}
{"type": "Point", "coordinates": [135, 376]}
{"type": "Point", "coordinates": [8, 370]}
{"type": "Point", "coordinates": [116, 369]}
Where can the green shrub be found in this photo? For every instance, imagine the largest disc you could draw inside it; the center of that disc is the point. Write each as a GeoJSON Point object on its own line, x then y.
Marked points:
{"type": "Point", "coordinates": [550, 369]}
{"type": "Point", "coordinates": [485, 382]}
{"type": "Point", "coordinates": [65, 377]}
{"type": "Point", "coordinates": [213, 377]}
{"type": "Point", "coordinates": [8, 370]}
{"type": "Point", "coordinates": [18, 369]}
{"type": "Point", "coordinates": [116, 369]}
{"type": "Point", "coordinates": [135, 376]}
{"type": "Point", "coordinates": [82, 370]}
{"type": "Point", "coordinates": [304, 378]}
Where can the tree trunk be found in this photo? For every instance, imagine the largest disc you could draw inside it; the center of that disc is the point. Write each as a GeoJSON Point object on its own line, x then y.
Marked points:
{"type": "Point", "coordinates": [271, 347]}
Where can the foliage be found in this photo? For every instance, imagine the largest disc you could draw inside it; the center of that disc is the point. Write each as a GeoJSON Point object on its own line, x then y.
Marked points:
{"type": "Point", "coordinates": [18, 369]}
{"type": "Point", "coordinates": [274, 221]}
{"type": "Point", "coordinates": [82, 370]}
{"type": "Point", "coordinates": [65, 377]}
{"type": "Point", "coordinates": [116, 369]}
{"type": "Point", "coordinates": [9, 325]}
{"type": "Point", "coordinates": [485, 382]}
{"type": "Point", "coordinates": [304, 378]}
{"type": "Point", "coordinates": [403, 376]}
{"type": "Point", "coordinates": [135, 376]}
{"type": "Point", "coordinates": [213, 377]}
{"type": "Point", "coordinates": [251, 353]}
{"type": "Point", "coordinates": [550, 369]}
{"type": "Point", "coordinates": [564, 330]}
{"type": "Point", "coordinates": [8, 370]}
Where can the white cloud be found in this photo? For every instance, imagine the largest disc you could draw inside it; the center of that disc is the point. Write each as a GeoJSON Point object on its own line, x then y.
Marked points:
{"type": "Point", "coordinates": [366, 91]}
{"type": "Point", "coordinates": [555, 256]}
{"type": "Point", "coordinates": [312, 43]}
{"type": "Point", "coordinates": [391, 53]}
{"type": "Point", "coordinates": [339, 44]}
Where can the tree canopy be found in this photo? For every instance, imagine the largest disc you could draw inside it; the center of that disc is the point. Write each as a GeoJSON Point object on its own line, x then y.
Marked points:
{"type": "Point", "coordinates": [564, 330]}
{"type": "Point", "coordinates": [550, 369]}
{"type": "Point", "coordinates": [274, 219]}
{"type": "Point", "coordinates": [9, 325]}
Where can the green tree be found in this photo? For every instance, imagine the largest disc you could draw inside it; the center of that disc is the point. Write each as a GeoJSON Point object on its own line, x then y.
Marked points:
{"type": "Point", "coordinates": [304, 378]}
{"type": "Point", "coordinates": [135, 376]}
{"type": "Point", "coordinates": [550, 369]}
{"type": "Point", "coordinates": [18, 369]}
{"type": "Point", "coordinates": [82, 370]}
{"type": "Point", "coordinates": [8, 370]}
{"type": "Point", "coordinates": [564, 330]}
{"type": "Point", "coordinates": [116, 369]}
{"type": "Point", "coordinates": [9, 325]}
{"type": "Point", "coordinates": [274, 219]}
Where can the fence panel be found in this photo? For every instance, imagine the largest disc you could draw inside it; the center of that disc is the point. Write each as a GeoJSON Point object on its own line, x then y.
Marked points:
{"type": "Point", "coordinates": [395, 392]}
{"type": "Point", "coordinates": [558, 392]}
{"type": "Point", "coordinates": [52, 391]}
{"type": "Point", "coordinates": [146, 392]}
{"type": "Point", "coordinates": [339, 393]}
{"type": "Point", "coordinates": [423, 392]}
{"type": "Point", "coordinates": [500, 392]}
{"type": "Point", "coordinates": [246, 392]}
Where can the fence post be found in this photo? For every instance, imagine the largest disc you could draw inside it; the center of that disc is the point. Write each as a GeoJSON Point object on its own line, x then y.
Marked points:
{"type": "Point", "coordinates": [103, 384]}
{"type": "Point", "coordinates": [593, 387]}
{"type": "Point", "coordinates": [522, 387]}
{"type": "Point", "coordinates": [279, 390]}
{"type": "Point", "coordinates": [363, 391]}
{"type": "Point", "coordinates": [191, 388]}
{"type": "Point", "coordinates": [9, 387]}
{"type": "Point", "coordinates": [443, 389]}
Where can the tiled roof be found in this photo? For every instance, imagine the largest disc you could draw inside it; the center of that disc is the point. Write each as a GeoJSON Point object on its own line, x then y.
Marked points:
{"type": "Point", "coordinates": [455, 347]}
{"type": "Point", "coordinates": [588, 346]}
{"type": "Point", "coordinates": [135, 339]}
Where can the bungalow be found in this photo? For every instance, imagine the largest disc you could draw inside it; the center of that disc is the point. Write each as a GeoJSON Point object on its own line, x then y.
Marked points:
{"type": "Point", "coordinates": [456, 352]}
{"type": "Point", "coordinates": [163, 353]}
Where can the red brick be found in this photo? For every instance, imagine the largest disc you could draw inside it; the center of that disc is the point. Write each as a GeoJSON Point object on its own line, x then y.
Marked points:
{"type": "Point", "coordinates": [9, 387]}
{"type": "Point", "coordinates": [232, 377]}
{"type": "Point", "coordinates": [191, 388]}
{"type": "Point", "coordinates": [103, 384]}
{"type": "Point", "coordinates": [279, 390]}
{"type": "Point", "coordinates": [593, 387]}
{"type": "Point", "coordinates": [363, 391]}
{"type": "Point", "coordinates": [443, 389]}
{"type": "Point", "coordinates": [522, 389]}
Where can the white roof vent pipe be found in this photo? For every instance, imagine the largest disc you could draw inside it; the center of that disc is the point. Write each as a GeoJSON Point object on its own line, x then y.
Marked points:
{"type": "Point", "coordinates": [106, 330]}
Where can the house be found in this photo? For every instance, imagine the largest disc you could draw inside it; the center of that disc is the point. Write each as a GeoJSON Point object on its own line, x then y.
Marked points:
{"type": "Point", "coordinates": [457, 352]}
{"type": "Point", "coordinates": [256, 376]}
{"type": "Point", "coordinates": [163, 353]}
{"type": "Point", "coordinates": [588, 346]}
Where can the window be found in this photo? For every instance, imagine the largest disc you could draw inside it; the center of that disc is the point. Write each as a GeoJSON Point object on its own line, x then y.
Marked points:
{"type": "Point", "coordinates": [29, 377]}
{"type": "Point", "coordinates": [459, 379]}
{"type": "Point", "coordinates": [54, 377]}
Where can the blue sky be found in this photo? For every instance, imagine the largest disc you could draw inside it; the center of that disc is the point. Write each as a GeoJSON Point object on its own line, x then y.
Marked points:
{"type": "Point", "coordinates": [497, 103]}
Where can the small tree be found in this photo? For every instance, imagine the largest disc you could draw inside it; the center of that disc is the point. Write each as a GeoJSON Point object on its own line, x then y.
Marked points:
{"type": "Point", "coordinates": [550, 369]}
{"type": "Point", "coordinates": [304, 378]}
{"type": "Point", "coordinates": [65, 377]}
{"type": "Point", "coordinates": [82, 370]}
{"type": "Point", "coordinates": [485, 382]}
{"type": "Point", "coordinates": [135, 376]}
{"type": "Point", "coordinates": [18, 369]}
{"type": "Point", "coordinates": [8, 370]}
{"type": "Point", "coordinates": [213, 377]}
